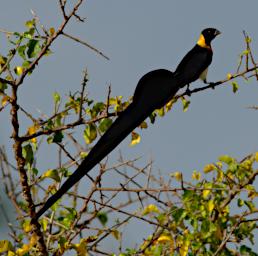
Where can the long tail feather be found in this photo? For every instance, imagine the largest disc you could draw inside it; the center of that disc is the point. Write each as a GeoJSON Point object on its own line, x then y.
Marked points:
{"type": "Point", "coordinates": [127, 121]}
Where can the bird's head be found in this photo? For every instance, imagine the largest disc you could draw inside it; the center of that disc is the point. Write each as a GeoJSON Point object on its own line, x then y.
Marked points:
{"type": "Point", "coordinates": [207, 36]}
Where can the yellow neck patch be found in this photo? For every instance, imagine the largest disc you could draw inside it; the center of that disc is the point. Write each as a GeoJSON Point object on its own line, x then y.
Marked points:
{"type": "Point", "coordinates": [201, 42]}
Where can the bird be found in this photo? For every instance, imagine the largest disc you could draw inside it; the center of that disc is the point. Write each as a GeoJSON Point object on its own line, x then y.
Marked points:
{"type": "Point", "coordinates": [153, 91]}
{"type": "Point", "coordinates": [196, 62]}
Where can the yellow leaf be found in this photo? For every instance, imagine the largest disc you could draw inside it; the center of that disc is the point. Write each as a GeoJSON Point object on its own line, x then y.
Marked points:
{"type": "Point", "coordinates": [184, 248]}
{"type": "Point", "coordinates": [170, 104]}
{"type": "Point", "coordinates": [27, 247]}
{"type": "Point", "coordinates": [10, 253]}
{"type": "Point", "coordinates": [210, 206]}
{"type": "Point", "coordinates": [112, 101]}
{"type": "Point", "coordinates": [151, 208]}
{"type": "Point", "coordinates": [30, 23]}
{"type": "Point", "coordinates": [83, 154]}
{"type": "Point", "coordinates": [116, 234]}
{"type": "Point", "coordinates": [186, 232]}
{"type": "Point", "coordinates": [161, 111]}
{"type": "Point", "coordinates": [209, 167]}
{"type": "Point", "coordinates": [81, 248]}
{"type": "Point", "coordinates": [135, 139]}
{"type": "Point", "coordinates": [26, 226]}
{"type": "Point", "coordinates": [167, 240]}
{"type": "Point", "coordinates": [185, 103]}
{"type": "Point", "coordinates": [247, 164]}
{"type": "Point", "coordinates": [164, 238]}
{"type": "Point", "coordinates": [21, 251]}
{"type": "Point", "coordinates": [44, 224]}
{"type": "Point", "coordinates": [18, 70]}
{"type": "Point", "coordinates": [51, 31]}
{"type": "Point", "coordinates": [220, 175]}
{"type": "Point", "coordinates": [52, 174]}
{"type": "Point", "coordinates": [5, 246]}
{"type": "Point", "coordinates": [33, 240]}
{"type": "Point", "coordinates": [206, 192]}
{"type": "Point", "coordinates": [256, 156]}
{"type": "Point", "coordinates": [196, 175]}
{"type": "Point", "coordinates": [32, 130]}
{"type": "Point", "coordinates": [219, 165]}
{"type": "Point", "coordinates": [143, 125]}
{"type": "Point", "coordinates": [177, 175]}
{"type": "Point", "coordinates": [229, 76]}
{"type": "Point", "coordinates": [4, 100]}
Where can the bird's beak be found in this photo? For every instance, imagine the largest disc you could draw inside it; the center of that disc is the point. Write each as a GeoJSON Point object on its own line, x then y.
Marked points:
{"type": "Point", "coordinates": [217, 32]}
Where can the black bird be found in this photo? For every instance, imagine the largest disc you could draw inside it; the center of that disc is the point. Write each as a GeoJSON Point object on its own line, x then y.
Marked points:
{"type": "Point", "coordinates": [153, 91]}
{"type": "Point", "coordinates": [196, 62]}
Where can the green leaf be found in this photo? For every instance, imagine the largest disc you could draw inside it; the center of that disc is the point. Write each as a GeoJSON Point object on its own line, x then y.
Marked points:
{"type": "Point", "coordinates": [26, 64]}
{"type": "Point", "coordinates": [58, 120]}
{"type": "Point", "coordinates": [250, 205]}
{"type": "Point", "coordinates": [34, 48]}
{"type": "Point", "coordinates": [226, 159]}
{"type": "Point", "coordinates": [188, 194]}
{"type": "Point", "coordinates": [56, 97]}
{"type": "Point", "coordinates": [58, 137]}
{"type": "Point", "coordinates": [179, 214]}
{"type": "Point", "coordinates": [29, 34]}
{"type": "Point", "coordinates": [62, 240]}
{"type": "Point", "coordinates": [27, 153]}
{"type": "Point", "coordinates": [245, 250]}
{"type": "Point", "coordinates": [21, 51]}
{"type": "Point", "coordinates": [52, 174]}
{"type": "Point", "coordinates": [152, 117]}
{"type": "Point", "coordinates": [96, 109]}
{"type": "Point", "coordinates": [35, 171]}
{"type": "Point", "coordinates": [30, 23]}
{"type": "Point", "coordinates": [234, 86]}
{"type": "Point", "coordinates": [90, 133]}
{"type": "Point", "coordinates": [185, 103]}
{"type": "Point", "coordinates": [207, 228]}
{"type": "Point", "coordinates": [3, 87]}
{"type": "Point", "coordinates": [240, 202]}
{"type": "Point", "coordinates": [105, 124]}
{"type": "Point", "coordinates": [103, 218]}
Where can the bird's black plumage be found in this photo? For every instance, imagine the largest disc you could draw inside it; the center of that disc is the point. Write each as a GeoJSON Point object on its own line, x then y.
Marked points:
{"type": "Point", "coordinates": [197, 60]}
{"type": "Point", "coordinates": [153, 91]}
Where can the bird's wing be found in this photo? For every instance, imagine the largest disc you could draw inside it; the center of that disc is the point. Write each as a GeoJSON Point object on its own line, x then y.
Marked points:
{"type": "Point", "coordinates": [194, 64]}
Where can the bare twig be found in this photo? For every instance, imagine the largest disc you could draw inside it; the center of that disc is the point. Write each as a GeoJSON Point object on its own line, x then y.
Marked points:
{"type": "Point", "coordinates": [86, 44]}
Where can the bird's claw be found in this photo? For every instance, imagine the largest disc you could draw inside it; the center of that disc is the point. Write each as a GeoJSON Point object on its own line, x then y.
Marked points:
{"type": "Point", "coordinates": [212, 85]}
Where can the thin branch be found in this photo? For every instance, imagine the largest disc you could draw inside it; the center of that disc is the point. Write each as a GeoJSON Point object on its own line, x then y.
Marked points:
{"type": "Point", "coordinates": [76, 39]}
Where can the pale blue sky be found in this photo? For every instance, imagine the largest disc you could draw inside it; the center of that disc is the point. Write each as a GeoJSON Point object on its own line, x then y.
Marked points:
{"type": "Point", "coordinates": [140, 36]}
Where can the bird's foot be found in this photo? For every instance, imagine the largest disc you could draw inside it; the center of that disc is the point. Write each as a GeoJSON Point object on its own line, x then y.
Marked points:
{"type": "Point", "coordinates": [211, 84]}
